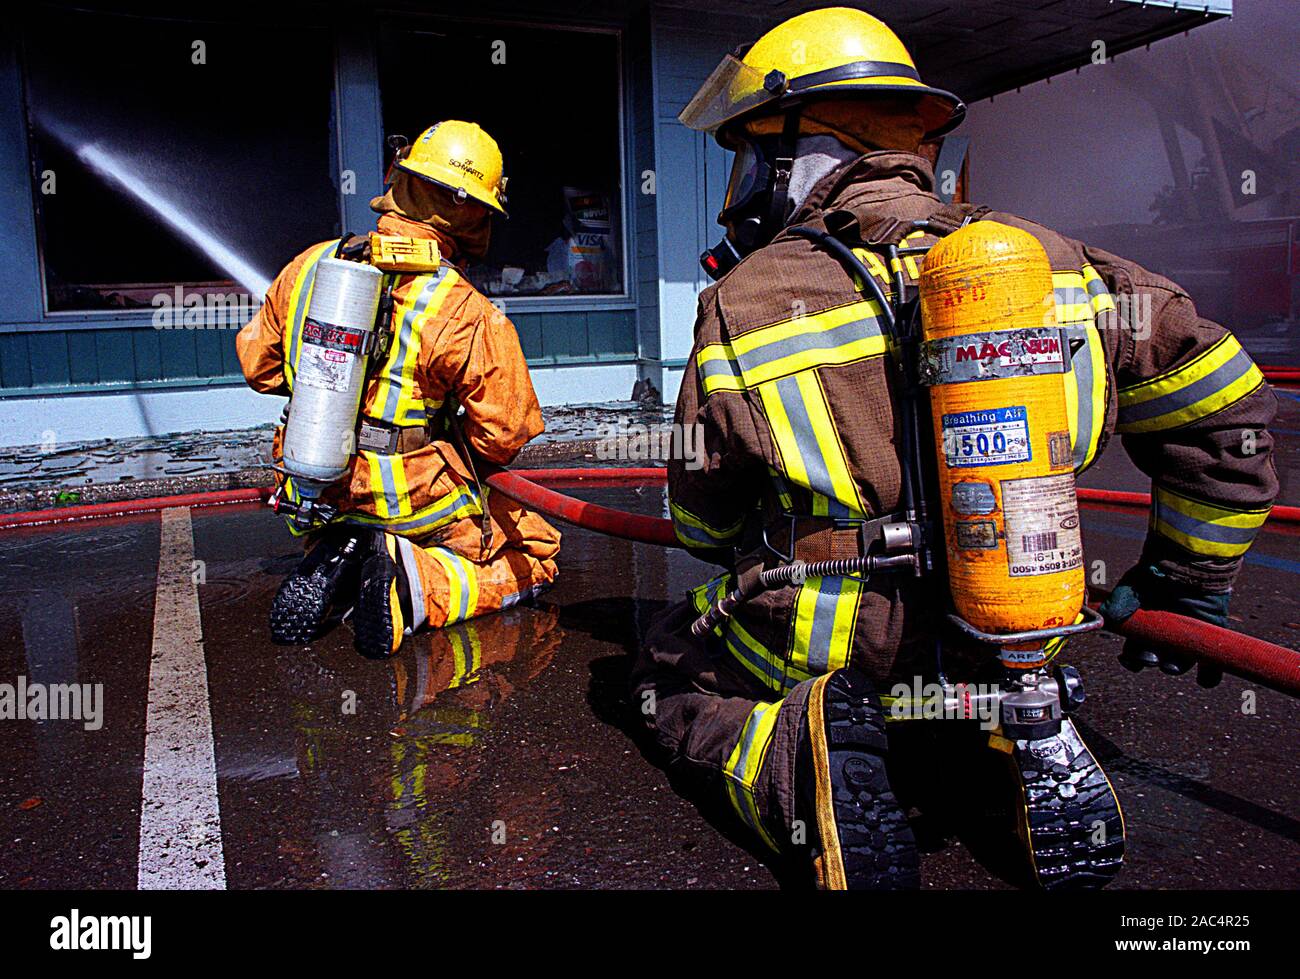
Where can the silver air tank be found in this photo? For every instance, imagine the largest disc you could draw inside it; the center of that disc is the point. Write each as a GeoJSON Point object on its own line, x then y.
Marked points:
{"type": "Point", "coordinates": [320, 435]}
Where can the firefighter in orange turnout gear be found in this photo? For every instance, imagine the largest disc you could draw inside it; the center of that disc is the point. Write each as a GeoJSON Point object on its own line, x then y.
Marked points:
{"type": "Point", "coordinates": [415, 541]}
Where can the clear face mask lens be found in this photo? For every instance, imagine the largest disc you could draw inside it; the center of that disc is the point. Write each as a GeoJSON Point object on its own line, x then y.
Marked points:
{"type": "Point", "coordinates": [747, 172]}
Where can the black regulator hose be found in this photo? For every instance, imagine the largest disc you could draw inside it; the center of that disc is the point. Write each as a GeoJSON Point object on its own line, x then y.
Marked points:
{"type": "Point", "coordinates": [845, 254]}
{"type": "Point", "coordinates": [750, 586]}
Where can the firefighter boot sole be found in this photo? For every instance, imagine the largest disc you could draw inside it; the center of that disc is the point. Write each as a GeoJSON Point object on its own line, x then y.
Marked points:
{"type": "Point", "coordinates": [868, 840]}
{"type": "Point", "coordinates": [300, 607]}
{"type": "Point", "coordinates": [304, 599]}
{"type": "Point", "coordinates": [1070, 819]}
{"type": "Point", "coordinates": [378, 621]}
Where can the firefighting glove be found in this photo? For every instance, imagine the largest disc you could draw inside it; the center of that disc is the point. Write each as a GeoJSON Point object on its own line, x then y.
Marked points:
{"type": "Point", "coordinates": [1147, 587]}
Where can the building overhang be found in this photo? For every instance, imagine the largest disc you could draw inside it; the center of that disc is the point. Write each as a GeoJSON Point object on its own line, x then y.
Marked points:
{"type": "Point", "coordinates": [979, 49]}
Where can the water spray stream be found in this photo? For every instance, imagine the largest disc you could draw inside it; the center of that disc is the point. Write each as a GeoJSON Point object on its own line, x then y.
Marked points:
{"type": "Point", "coordinates": [221, 254]}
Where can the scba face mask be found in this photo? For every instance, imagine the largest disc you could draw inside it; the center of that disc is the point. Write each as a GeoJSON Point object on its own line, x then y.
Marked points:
{"type": "Point", "coordinates": [764, 190]}
{"type": "Point", "coordinates": [749, 212]}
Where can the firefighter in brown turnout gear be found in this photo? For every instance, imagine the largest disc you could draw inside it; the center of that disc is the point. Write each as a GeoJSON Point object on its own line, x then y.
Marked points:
{"type": "Point", "coordinates": [776, 705]}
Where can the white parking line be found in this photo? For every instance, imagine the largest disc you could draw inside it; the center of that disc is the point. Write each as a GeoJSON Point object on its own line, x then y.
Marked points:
{"type": "Point", "coordinates": [180, 820]}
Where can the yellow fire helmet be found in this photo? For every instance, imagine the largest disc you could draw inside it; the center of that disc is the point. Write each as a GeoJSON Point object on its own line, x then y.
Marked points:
{"type": "Point", "coordinates": [461, 157]}
{"type": "Point", "coordinates": [833, 52]}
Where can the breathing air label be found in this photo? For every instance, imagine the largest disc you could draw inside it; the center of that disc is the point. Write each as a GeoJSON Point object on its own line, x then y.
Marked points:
{"type": "Point", "coordinates": [328, 354]}
{"type": "Point", "coordinates": [1042, 525]}
{"type": "Point", "coordinates": [991, 437]}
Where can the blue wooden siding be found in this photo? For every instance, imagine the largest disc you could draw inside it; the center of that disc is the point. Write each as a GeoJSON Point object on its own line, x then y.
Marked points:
{"type": "Point", "coordinates": [638, 54]}
{"type": "Point", "coordinates": [107, 359]}
{"type": "Point", "coordinates": [104, 352]}
{"type": "Point", "coordinates": [686, 48]}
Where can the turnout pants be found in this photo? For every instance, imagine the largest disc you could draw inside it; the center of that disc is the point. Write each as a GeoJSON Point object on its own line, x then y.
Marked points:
{"type": "Point", "coordinates": [453, 575]}
{"type": "Point", "coordinates": [720, 726]}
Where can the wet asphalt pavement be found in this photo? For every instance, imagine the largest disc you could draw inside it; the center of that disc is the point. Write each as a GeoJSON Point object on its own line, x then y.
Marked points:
{"type": "Point", "coordinates": [497, 753]}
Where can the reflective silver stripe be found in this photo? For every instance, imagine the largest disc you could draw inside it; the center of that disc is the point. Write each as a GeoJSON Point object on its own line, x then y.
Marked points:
{"type": "Point", "coordinates": [391, 497]}
{"type": "Point", "coordinates": [810, 446]}
{"type": "Point", "coordinates": [397, 356]}
{"type": "Point", "coordinates": [1185, 397]}
{"type": "Point", "coordinates": [1081, 366]}
{"type": "Point", "coordinates": [1072, 295]}
{"type": "Point", "coordinates": [1203, 529]}
{"type": "Point", "coordinates": [406, 550]}
{"type": "Point", "coordinates": [718, 368]}
{"type": "Point", "coordinates": [458, 503]}
{"type": "Point", "coordinates": [815, 340]}
{"type": "Point", "coordinates": [307, 278]}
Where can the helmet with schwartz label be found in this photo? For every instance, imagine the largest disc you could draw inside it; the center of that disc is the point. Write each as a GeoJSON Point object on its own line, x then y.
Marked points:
{"type": "Point", "coordinates": [461, 157]}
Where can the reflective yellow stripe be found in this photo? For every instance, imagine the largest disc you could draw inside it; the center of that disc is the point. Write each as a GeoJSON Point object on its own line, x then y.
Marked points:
{"type": "Point", "coordinates": [787, 446]}
{"type": "Point", "coordinates": [1216, 378]}
{"type": "Point", "coordinates": [773, 670]}
{"type": "Point", "coordinates": [808, 443]}
{"type": "Point", "coordinates": [1099, 296]}
{"type": "Point", "coordinates": [836, 336]}
{"type": "Point", "coordinates": [828, 439]}
{"type": "Point", "coordinates": [395, 399]}
{"type": "Point", "coordinates": [390, 493]}
{"type": "Point", "coordinates": [874, 265]}
{"type": "Point", "coordinates": [462, 582]}
{"type": "Point", "coordinates": [821, 637]}
{"type": "Point", "coordinates": [782, 490]}
{"type": "Point", "coordinates": [691, 530]}
{"type": "Point", "coordinates": [716, 365]}
{"type": "Point", "coordinates": [746, 763]}
{"type": "Point", "coordinates": [1204, 528]}
{"type": "Point", "coordinates": [769, 668]}
{"type": "Point", "coordinates": [299, 301]}
{"type": "Point", "coordinates": [1073, 304]}
{"type": "Point", "coordinates": [379, 499]}
{"type": "Point", "coordinates": [460, 502]}
{"type": "Point", "coordinates": [909, 262]}
{"type": "Point", "coordinates": [1085, 383]}
{"type": "Point", "coordinates": [467, 658]}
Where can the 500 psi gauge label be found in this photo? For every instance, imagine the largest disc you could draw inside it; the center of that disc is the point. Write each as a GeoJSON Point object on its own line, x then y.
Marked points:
{"type": "Point", "coordinates": [991, 437]}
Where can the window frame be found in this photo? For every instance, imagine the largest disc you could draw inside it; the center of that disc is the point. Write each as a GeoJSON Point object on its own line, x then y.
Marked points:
{"type": "Point", "coordinates": [626, 299]}
{"type": "Point", "coordinates": [90, 319]}
{"type": "Point", "coordinates": [347, 156]}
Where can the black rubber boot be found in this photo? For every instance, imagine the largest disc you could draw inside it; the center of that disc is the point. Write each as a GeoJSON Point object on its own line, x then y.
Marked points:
{"type": "Point", "coordinates": [1069, 817]}
{"type": "Point", "coordinates": [305, 598]}
{"type": "Point", "coordinates": [865, 842]}
{"type": "Point", "coordinates": [383, 602]}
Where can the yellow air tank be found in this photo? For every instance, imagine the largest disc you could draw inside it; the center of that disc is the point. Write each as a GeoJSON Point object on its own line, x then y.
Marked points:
{"type": "Point", "coordinates": [995, 361]}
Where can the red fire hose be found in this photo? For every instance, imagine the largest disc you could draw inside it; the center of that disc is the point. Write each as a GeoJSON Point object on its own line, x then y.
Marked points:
{"type": "Point", "coordinates": [1257, 660]}
{"type": "Point", "coordinates": [603, 520]}
{"type": "Point", "coordinates": [1281, 375]}
{"type": "Point", "coordinates": [1253, 659]}
{"type": "Point", "coordinates": [554, 477]}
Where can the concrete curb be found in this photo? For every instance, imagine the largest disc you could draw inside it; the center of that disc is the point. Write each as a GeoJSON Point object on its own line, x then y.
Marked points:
{"type": "Point", "coordinates": [55, 497]}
